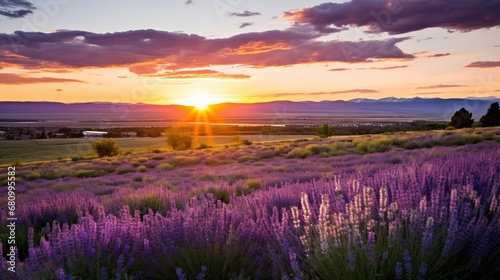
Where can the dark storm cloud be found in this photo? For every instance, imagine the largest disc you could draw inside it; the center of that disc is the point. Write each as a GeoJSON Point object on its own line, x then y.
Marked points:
{"type": "Point", "coordinates": [400, 16]}
{"type": "Point", "coordinates": [151, 51]}
{"type": "Point", "coordinates": [15, 8]}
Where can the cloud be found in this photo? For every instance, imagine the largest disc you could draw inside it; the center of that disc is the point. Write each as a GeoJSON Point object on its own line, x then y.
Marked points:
{"type": "Point", "coordinates": [427, 93]}
{"type": "Point", "coordinates": [483, 64]}
{"type": "Point", "coordinates": [371, 68]}
{"type": "Point", "coordinates": [389, 67]}
{"type": "Point", "coordinates": [189, 2]}
{"type": "Point", "coordinates": [277, 95]}
{"type": "Point", "coordinates": [339, 69]}
{"type": "Point", "coordinates": [15, 79]}
{"type": "Point", "coordinates": [439, 55]}
{"type": "Point", "coordinates": [362, 91]}
{"type": "Point", "coordinates": [15, 8]}
{"type": "Point", "coordinates": [152, 51]}
{"type": "Point", "coordinates": [441, 86]}
{"type": "Point", "coordinates": [402, 16]}
{"type": "Point", "coordinates": [245, 14]}
{"type": "Point", "coordinates": [59, 89]}
{"type": "Point", "coordinates": [246, 24]}
{"type": "Point", "coordinates": [199, 74]}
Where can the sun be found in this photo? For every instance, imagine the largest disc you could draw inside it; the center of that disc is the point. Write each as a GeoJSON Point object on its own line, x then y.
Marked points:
{"type": "Point", "coordinates": [201, 101]}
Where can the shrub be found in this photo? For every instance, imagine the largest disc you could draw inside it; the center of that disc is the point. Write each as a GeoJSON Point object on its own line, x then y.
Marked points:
{"type": "Point", "coordinates": [142, 168]}
{"type": "Point", "coordinates": [235, 139]}
{"type": "Point", "coordinates": [106, 147]}
{"type": "Point", "coordinates": [165, 166]}
{"type": "Point", "coordinates": [90, 173]}
{"type": "Point", "coordinates": [246, 142]}
{"type": "Point", "coordinates": [138, 179]}
{"type": "Point", "coordinates": [142, 159]}
{"type": "Point", "coordinates": [281, 149]}
{"type": "Point", "coordinates": [33, 176]}
{"type": "Point", "coordinates": [125, 171]}
{"type": "Point", "coordinates": [76, 158]}
{"type": "Point", "coordinates": [143, 202]}
{"type": "Point", "coordinates": [179, 141]}
{"type": "Point", "coordinates": [254, 184]}
{"type": "Point", "coordinates": [463, 140]}
{"type": "Point", "coordinates": [298, 153]}
{"type": "Point", "coordinates": [319, 149]}
{"type": "Point", "coordinates": [158, 157]}
{"type": "Point", "coordinates": [203, 146]}
{"type": "Point", "coordinates": [450, 127]}
{"type": "Point", "coordinates": [325, 131]}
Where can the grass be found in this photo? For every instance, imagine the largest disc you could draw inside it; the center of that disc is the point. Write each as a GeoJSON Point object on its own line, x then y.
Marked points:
{"type": "Point", "coordinates": [44, 150]}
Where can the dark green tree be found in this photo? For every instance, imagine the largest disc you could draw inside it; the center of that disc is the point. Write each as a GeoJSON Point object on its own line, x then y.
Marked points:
{"type": "Point", "coordinates": [462, 118]}
{"type": "Point", "coordinates": [492, 117]}
{"type": "Point", "coordinates": [325, 131]}
{"type": "Point", "coordinates": [179, 141]}
{"type": "Point", "coordinates": [106, 147]}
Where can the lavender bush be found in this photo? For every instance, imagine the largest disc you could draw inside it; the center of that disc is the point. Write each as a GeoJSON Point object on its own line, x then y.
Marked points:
{"type": "Point", "coordinates": [400, 214]}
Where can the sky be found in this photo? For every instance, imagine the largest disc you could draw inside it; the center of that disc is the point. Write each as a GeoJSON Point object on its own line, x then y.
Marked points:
{"type": "Point", "coordinates": [174, 51]}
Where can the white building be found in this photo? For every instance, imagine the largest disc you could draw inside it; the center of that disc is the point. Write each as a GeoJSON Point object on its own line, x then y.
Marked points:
{"type": "Point", "coordinates": [94, 134]}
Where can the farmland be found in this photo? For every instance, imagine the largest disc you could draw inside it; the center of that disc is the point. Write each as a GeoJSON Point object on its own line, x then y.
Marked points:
{"type": "Point", "coordinates": [65, 149]}
{"type": "Point", "coordinates": [421, 205]}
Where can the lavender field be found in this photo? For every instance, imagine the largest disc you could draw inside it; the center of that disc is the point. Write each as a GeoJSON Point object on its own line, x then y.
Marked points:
{"type": "Point", "coordinates": [401, 206]}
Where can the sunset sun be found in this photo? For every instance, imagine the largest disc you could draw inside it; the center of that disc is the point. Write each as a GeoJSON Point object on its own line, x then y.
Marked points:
{"type": "Point", "coordinates": [201, 100]}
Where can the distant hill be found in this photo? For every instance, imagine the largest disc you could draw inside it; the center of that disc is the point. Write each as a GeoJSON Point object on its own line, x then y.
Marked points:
{"type": "Point", "coordinates": [390, 107]}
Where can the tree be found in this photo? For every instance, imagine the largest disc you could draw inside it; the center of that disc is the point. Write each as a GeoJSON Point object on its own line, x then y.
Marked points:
{"type": "Point", "coordinates": [462, 118]}
{"type": "Point", "coordinates": [179, 141]}
{"type": "Point", "coordinates": [492, 116]}
{"type": "Point", "coordinates": [325, 131]}
{"type": "Point", "coordinates": [106, 147]}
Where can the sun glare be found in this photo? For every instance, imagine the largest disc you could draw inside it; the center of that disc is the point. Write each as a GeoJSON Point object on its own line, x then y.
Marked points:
{"type": "Point", "coordinates": [201, 101]}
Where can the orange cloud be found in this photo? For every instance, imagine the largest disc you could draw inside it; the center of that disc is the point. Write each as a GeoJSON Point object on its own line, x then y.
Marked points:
{"type": "Point", "coordinates": [200, 74]}
{"type": "Point", "coordinates": [15, 79]}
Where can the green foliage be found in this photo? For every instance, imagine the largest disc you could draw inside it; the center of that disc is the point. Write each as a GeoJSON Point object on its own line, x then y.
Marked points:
{"type": "Point", "coordinates": [142, 159]}
{"type": "Point", "coordinates": [282, 149]}
{"type": "Point", "coordinates": [158, 157]}
{"type": "Point", "coordinates": [137, 179]}
{"type": "Point", "coordinates": [325, 131]}
{"type": "Point", "coordinates": [235, 139]}
{"type": "Point", "coordinates": [145, 202]}
{"type": "Point", "coordinates": [76, 158]}
{"type": "Point", "coordinates": [462, 118]}
{"type": "Point", "coordinates": [179, 141]}
{"type": "Point", "coordinates": [492, 116]}
{"type": "Point", "coordinates": [316, 149]}
{"type": "Point", "coordinates": [125, 171]}
{"type": "Point", "coordinates": [463, 140]}
{"type": "Point", "coordinates": [450, 127]}
{"type": "Point", "coordinates": [367, 146]}
{"type": "Point", "coordinates": [89, 173]}
{"type": "Point", "coordinates": [203, 146]}
{"type": "Point", "coordinates": [254, 184]}
{"type": "Point", "coordinates": [246, 142]}
{"type": "Point", "coordinates": [33, 176]}
{"type": "Point", "coordinates": [217, 192]}
{"type": "Point", "coordinates": [142, 168]}
{"type": "Point", "coordinates": [165, 166]}
{"type": "Point", "coordinates": [106, 147]}
{"type": "Point", "coordinates": [298, 152]}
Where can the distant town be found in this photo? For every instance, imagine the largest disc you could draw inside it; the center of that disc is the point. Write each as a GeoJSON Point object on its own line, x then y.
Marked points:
{"type": "Point", "coordinates": [341, 128]}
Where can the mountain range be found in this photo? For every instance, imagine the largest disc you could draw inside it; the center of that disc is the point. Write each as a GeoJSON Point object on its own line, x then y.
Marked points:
{"type": "Point", "coordinates": [437, 109]}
